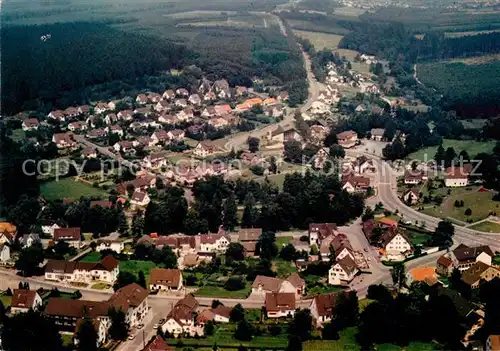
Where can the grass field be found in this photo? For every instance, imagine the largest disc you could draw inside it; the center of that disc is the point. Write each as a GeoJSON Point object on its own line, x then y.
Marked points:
{"type": "Point", "coordinates": [6, 300]}
{"type": "Point", "coordinates": [134, 267]}
{"type": "Point", "coordinates": [93, 256]}
{"type": "Point", "coordinates": [474, 123]}
{"type": "Point", "coordinates": [284, 268]}
{"type": "Point", "coordinates": [481, 205]}
{"type": "Point", "coordinates": [67, 339]}
{"type": "Point", "coordinates": [217, 291]}
{"type": "Point", "coordinates": [463, 34]}
{"type": "Point", "coordinates": [416, 237]}
{"type": "Point", "coordinates": [471, 146]}
{"type": "Point", "coordinates": [320, 40]}
{"type": "Point", "coordinates": [487, 226]}
{"type": "Point", "coordinates": [69, 188]}
{"type": "Point", "coordinates": [282, 241]}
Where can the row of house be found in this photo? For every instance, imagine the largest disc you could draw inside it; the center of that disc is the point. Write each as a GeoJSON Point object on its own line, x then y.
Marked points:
{"type": "Point", "coordinates": [105, 271]}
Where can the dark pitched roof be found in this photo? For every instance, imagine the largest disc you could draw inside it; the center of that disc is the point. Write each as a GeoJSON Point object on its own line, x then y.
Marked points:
{"type": "Point", "coordinates": [168, 277]}
{"type": "Point", "coordinates": [280, 301]}
{"type": "Point", "coordinates": [347, 264]}
{"type": "Point", "coordinates": [76, 308]}
{"type": "Point", "coordinates": [224, 311]}
{"type": "Point", "coordinates": [465, 253]}
{"type": "Point", "coordinates": [131, 295]}
{"type": "Point", "coordinates": [444, 261]}
{"type": "Point", "coordinates": [67, 234]}
{"type": "Point", "coordinates": [267, 283]}
{"type": "Point", "coordinates": [390, 234]}
{"type": "Point", "coordinates": [325, 304]}
{"type": "Point", "coordinates": [158, 344]}
{"type": "Point", "coordinates": [250, 234]}
{"type": "Point", "coordinates": [22, 298]}
{"type": "Point", "coordinates": [473, 274]}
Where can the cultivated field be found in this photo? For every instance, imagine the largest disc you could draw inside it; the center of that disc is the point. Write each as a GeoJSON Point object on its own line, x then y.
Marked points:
{"type": "Point", "coordinates": [349, 11]}
{"type": "Point", "coordinates": [321, 40]}
{"type": "Point", "coordinates": [471, 146]}
{"type": "Point", "coordinates": [464, 34]}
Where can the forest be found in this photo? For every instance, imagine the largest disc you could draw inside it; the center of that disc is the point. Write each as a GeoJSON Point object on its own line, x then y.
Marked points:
{"type": "Point", "coordinates": [34, 71]}
{"type": "Point", "coordinates": [84, 62]}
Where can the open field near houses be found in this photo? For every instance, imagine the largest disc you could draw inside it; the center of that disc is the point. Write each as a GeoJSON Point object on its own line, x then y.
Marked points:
{"type": "Point", "coordinates": [69, 188]}
{"type": "Point", "coordinates": [471, 146]}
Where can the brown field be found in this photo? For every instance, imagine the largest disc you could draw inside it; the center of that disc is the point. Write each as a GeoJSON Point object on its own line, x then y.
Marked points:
{"type": "Point", "coordinates": [320, 40]}
{"type": "Point", "coordinates": [477, 60]}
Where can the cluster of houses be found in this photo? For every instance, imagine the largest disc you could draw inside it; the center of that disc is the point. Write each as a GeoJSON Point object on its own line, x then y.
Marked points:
{"type": "Point", "coordinates": [474, 263]}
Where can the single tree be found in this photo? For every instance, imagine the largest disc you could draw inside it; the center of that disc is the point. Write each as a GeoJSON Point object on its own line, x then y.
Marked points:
{"type": "Point", "coordinates": [237, 313]}
{"type": "Point", "coordinates": [301, 325]}
{"type": "Point", "coordinates": [230, 218]}
{"type": "Point", "coordinates": [87, 335]}
{"type": "Point", "coordinates": [141, 279]}
{"type": "Point", "coordinates": [119, 327]}
{"type": "Point", "coordinates": [124, 278]}
{"type": "Point", "coordinates": [244, 331]}
{"type": "Point", "coordinates": [253, 144]}
{"type": "Point", "coordinates": [288, 253]}
{"type": "Point", "coordinates": [235, 251]}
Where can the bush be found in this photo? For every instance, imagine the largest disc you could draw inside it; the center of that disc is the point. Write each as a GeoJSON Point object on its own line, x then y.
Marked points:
{"type": "Point", "coordinates": [257, 170]}
{"type": "Point", "coordinates": [234, 283]}
{"type": "Point", "coordinates": [468, 212]}
{"type": "Point", "coordinates": [304, 238]}
{"type": "Point", "coordinates": [274, 330]}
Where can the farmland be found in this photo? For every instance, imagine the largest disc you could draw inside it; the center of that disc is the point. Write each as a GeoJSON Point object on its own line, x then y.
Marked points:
{"type": "Point", "coordinates": [69, 188]}
{"type": "Point", "coordinates": [320, 40]}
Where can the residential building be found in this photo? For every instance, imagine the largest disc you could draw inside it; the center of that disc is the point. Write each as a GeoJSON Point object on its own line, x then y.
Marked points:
{"type": "Point", "coordinates": [106, 271]}
{"type": "Point", "coordinates": [63, 140]}
{"type": "Point", "coordinates": [280, 305]}
{"type": "Point", "coordinates": [29, 239]}
{"type": "Point", "coordinates": [49, 228]}
{"type": "Point", "coordinates": [493, 343]}
{"type": "Point", "coordinates": [205, 148]}
{"type": "Point", "coordinates": [457, 176]}
{"type": "Point", "coordinates": [141, 99]}
{"type": "Point", "coordinates": [397, 246]}
{"type": "Point", "coordinates": [322, 307]}
{"type": "Point", "coordinates": [377, 134]}
{"type": "Point", "coordinates": [414, 176]}
{"type": "Point", "coordinates": [57, 115]}
{"type": "Point", "coordinates": [182, 318]}
{"type": "Point", "coordinates": [444, 265]}
{"type": "Point", "coordinates": [126, 115]}
{"type": "Point", "coordinates": [101, 107]}
{"type": "Point", "coordinates": [479, 271]}
{"type": "Point", "coordinates": [248, 237]}
{"type": "Point", "coordinates": [464, 257]}
{"type": "Point", "coordinates": [70, 235]}
{"type": "Point", "coordinates": [140, 198]}
{"type": "Point", "coordinates": [182, 92]}
{"type": "Point", "coordinates": [347, 139]}
{"type": "Point", "coordinates": [298, 283]}
{"type": "Point", "coordinates": [263, 285]}
{"type": "Point", "coordinates": [158, 344]}
{"type": "Point", "coordinates": [162, 279]}
{"type": "Point", "coordinates": [112, 245]}
{"type": "Point", "coordinates": [411, 196]}
{"type": "Point", "coordinates": [284, 134]}
{"type": "Point", "coordinates": [214, 243]}
{"type": "Point", "coordinates": [176, 134]}
{"type": "Point", "coordinates": [319, 231]}
{"type": "Point", "coordinates": [160, 136]}
{"type": "Point", "coordinates": [23, 300]}
{"type": "Point", "coordinates": [168, 94]}
{"type": "Point", "coordinates": [30, 124]}
{"type": "Point", "coordinates": [355, 183]}
{"type": "Point", "coordinates": [343, 271]}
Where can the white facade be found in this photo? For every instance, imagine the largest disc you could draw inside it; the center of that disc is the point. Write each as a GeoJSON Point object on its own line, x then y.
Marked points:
{"type": "Point", "coordinates": [5, 253]}
{"type": "Point", "coordinates": [84, 276]}
{"type": "Point", "coordinates": [286, 287]}
{"type": "Point", "coordinates": [338, 275]}
{"type": "Point", "coordinates": [220, 245]}
{"type": "Point", "coordinates": [456, 182]}
{"type": "Point", "coordinates": [116, 246]}
{"type": "Point", "coordinates": [37, 302]}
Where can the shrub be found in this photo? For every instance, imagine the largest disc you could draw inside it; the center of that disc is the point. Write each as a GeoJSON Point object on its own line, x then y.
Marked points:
{"type": "Point", "coordinates": [468, 212]}
{"type": "Point", "coordinates": [234, 283]}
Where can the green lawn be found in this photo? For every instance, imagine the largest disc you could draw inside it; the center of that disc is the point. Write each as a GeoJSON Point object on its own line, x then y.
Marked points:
{"type": "Point", "coordinates": [348, 342]}
{"type": "Point", "coordinates": [417, 237]}
{"type": "Point", "coordinates": [282, 241]}
{"type": "Point", "coordinates": [93, 256]}
{"type": "Point", "coordinates": [217, 291]}
{"type": "Point", "coordinates": [6, 300]}
{"type": "Point", "coordinates": [487, 226]}
{"type": "Point", "coordinates": [284, 268]}
{"type": "Point", "coordinates": [277, 179]}
{"type": "Point", "coordinates": [322, 290]}
{"type": "Point", "coordinates": [101, 286]}
{"type": "Point", "coordinates": [496, 260]}
{"type": "Point", "coordinates": [224, 337]}
{"type": "Point", "coordinates": [67, 339]}
{"type": "Point", "coordinates": [363, 303]}
{"type": "Point", "coordinates": [134, 267]}
{"type": "Point", "coordinates": [471, 146]}
{"type": "Point", "coordinates": [69, 188]}
{"type": "Point", "coordinates": [18, 134]}
{"type": "Point", "coordinates": [481, 205]}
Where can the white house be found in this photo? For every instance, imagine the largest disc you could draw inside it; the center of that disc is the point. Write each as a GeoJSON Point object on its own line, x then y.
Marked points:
{"type": "Point", "coordinates": [343, 271]}
{"type": "Point", "coordinates": [322, 308]}
{"type": "Point", "coordinates": [280, 305]}
{"type": "Point", "coordinates": [457, 176]}
{"type": "Point", "coordinates": [49, 229]}
{"type": "Point", "coordinates": [23, 300]}
{"type": "Point", "coordinates": [347, 139]}
{"type": "Point", "coordinates": [106, 271]}
{"type": "Point", "coordinates": [205, 148]}
{"type": "Point", "coordinates": [30, 124]}
{"type": "Point", "coordinates": [113, 245]}
{"type": "Point", "coordinates": [162, 279]}
{"type": "Point", "coordinates": [4, 253]}
{"type": "Point", "coordinates": [182, 318]}
{"type": "Point", "coordinates": [411, 196]}
{"type": "Point", "coordinates": [396, 244]}
{"type": "Point", "coordinates": [263, 285]}
{"type": "Point", "coordinates": [140, 198]}
{"type": "Point", "coordinates": [214, 243]}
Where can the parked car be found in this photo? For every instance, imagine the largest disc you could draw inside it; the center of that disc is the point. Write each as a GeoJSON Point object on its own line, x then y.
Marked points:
{"type": "Point", "coordinates": [131, 337]}
{"type": "Point", "coordinates": [140, 326]}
